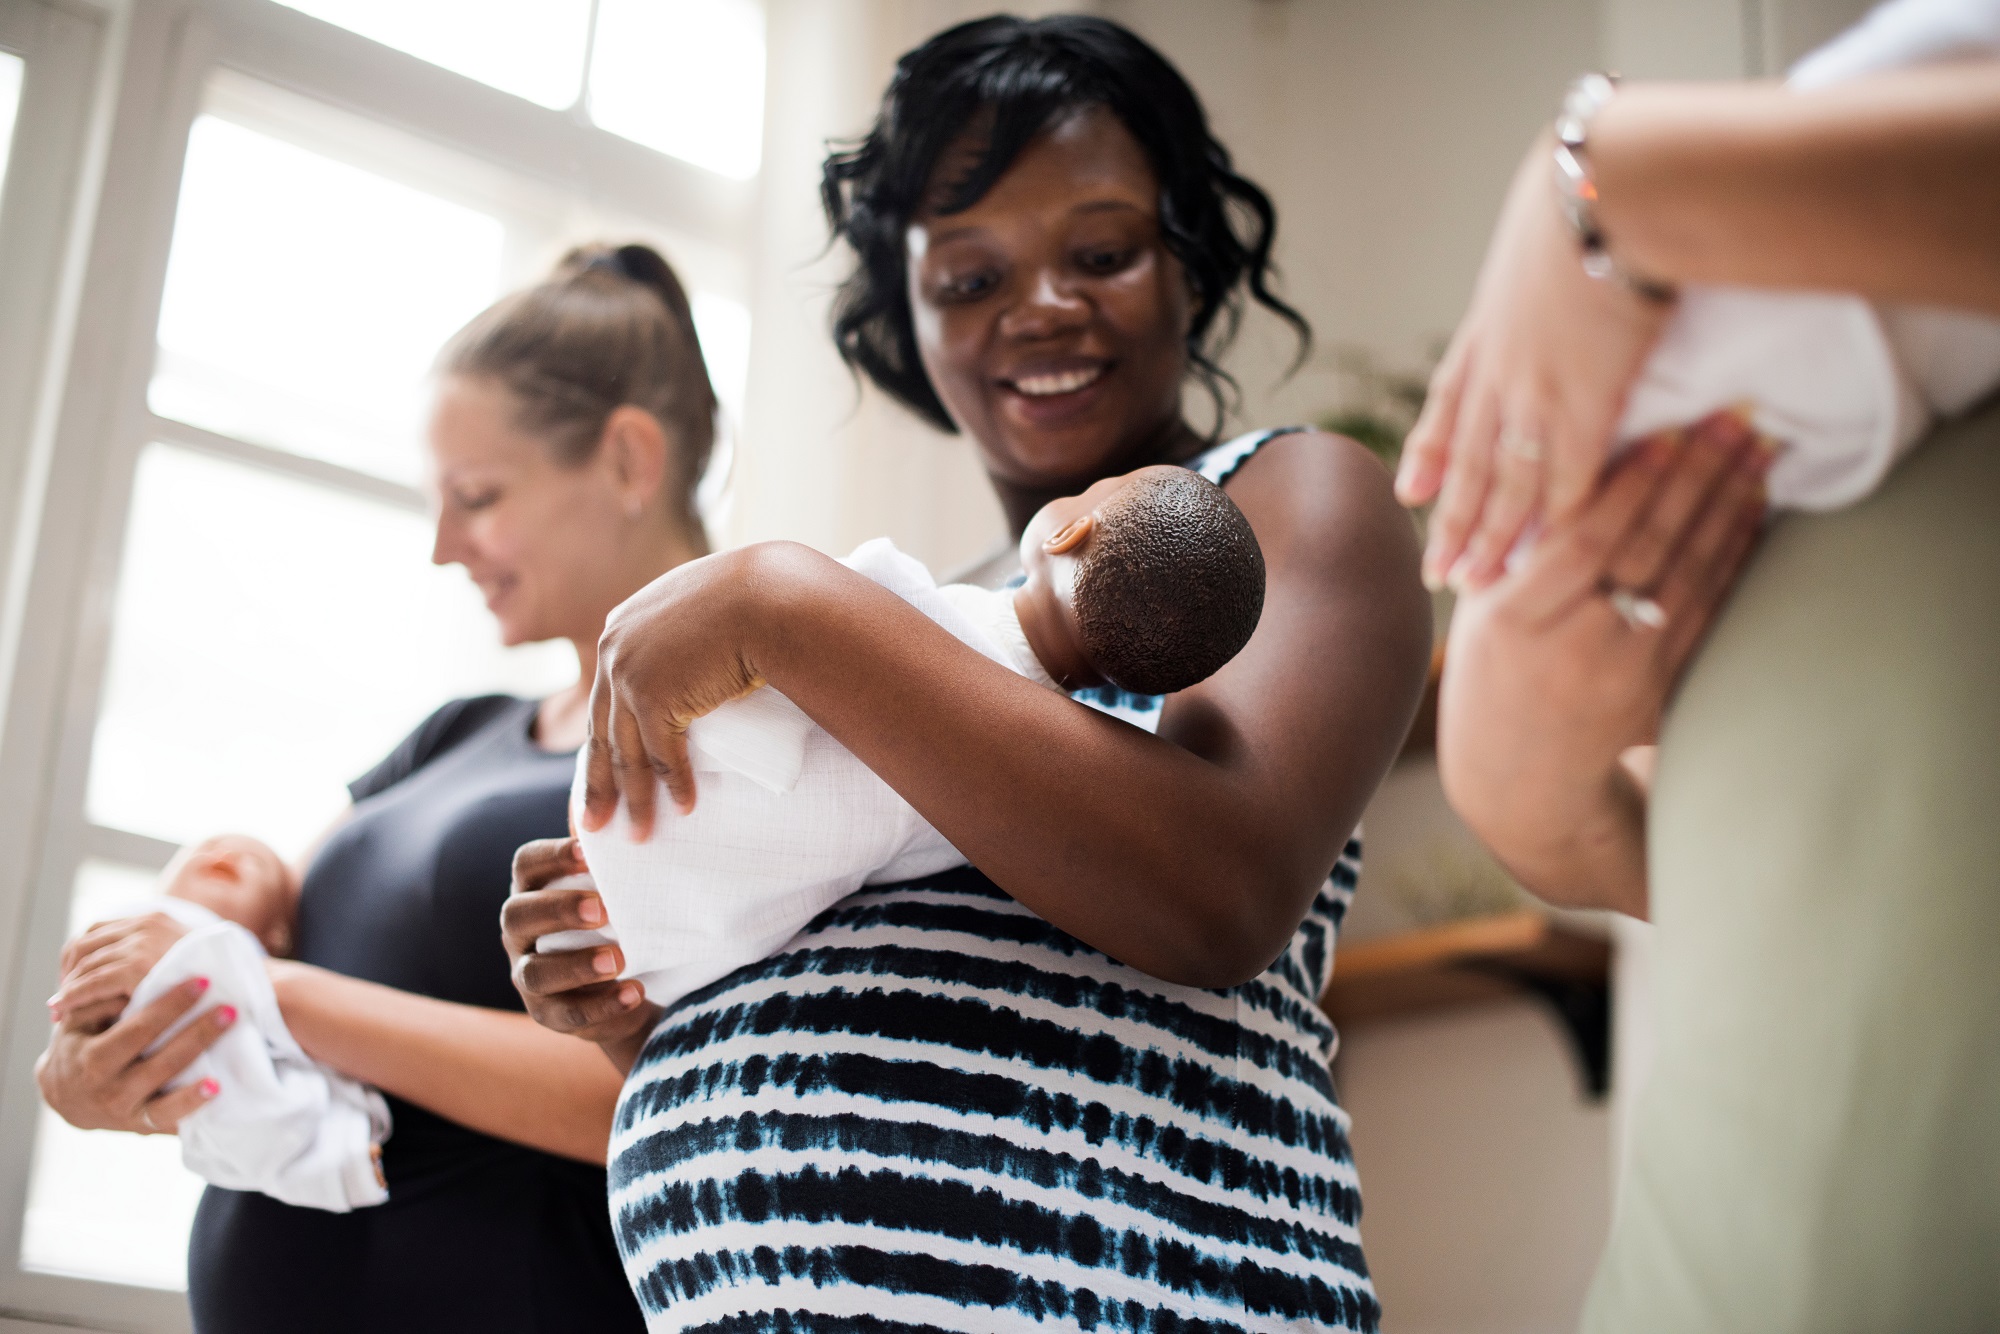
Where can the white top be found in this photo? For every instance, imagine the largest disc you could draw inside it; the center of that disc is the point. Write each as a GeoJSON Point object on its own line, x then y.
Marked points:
{"type": "Point", "coordinates": [1848, 386]}
{"type": "Point", "coordinates": [282, 1123]}
{"type": "Point", "coordinates": [787, 822]}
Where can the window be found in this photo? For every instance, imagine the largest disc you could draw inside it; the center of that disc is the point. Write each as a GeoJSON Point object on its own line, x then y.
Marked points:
{"type": "Point", "coordinates": [277, 624]}
{"type": "Point", "coordinates": [284, 264]}
{"type": "Point", "coordinates": [276, 630]}
{"type": "Point", "coordinates": [259, 622]}
{"type": "Point", "coordinates": [685, 77]}
{"type": "Point", "coordinates": [530, 48]}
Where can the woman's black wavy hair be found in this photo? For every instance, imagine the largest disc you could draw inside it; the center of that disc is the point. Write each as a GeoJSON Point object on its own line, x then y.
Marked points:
{"type": "Point", "coordinates": [1022, 74]}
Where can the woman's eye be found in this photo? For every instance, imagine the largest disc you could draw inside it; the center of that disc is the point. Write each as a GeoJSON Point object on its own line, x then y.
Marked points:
{"type": "Point", "coordinates": [1103, 261]}
{"type": "Point", "coordinates": [477, 500]}
{"type": "Point", "coordinates": [968, 286]}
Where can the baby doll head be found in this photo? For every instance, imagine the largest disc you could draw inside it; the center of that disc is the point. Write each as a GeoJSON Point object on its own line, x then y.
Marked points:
{"type": "Point", "coordinates": [240, 880]}
{"type": "Point", "coordinates": [1150, 581]}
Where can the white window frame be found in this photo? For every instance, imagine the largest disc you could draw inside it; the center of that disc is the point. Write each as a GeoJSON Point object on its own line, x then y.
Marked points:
{"type": "Point", "coordinates": [111, 90]}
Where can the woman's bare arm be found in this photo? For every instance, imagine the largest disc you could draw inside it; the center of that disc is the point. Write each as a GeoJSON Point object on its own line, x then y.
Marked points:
{"type": "Point", "coordinates": [492, 1071]}
{"type": "Point", "coordinates": [1888, 186]}
{"type": "Point", "coordinates": [1190, 855]}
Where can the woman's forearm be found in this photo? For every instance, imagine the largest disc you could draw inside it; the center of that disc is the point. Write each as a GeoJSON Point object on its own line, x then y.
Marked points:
{"type": "Point", "coordinates": [1586, 849]}
{"type": "Point", "coordinates": [1887, 185]}
{"type": "Point", "coordinates": [1190, 855]}
{"type": "Point", "coordinates": [492, 1071]}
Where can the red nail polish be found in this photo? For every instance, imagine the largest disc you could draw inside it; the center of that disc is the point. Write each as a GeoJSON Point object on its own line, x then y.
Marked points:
{"type": "Point", "coordinates": [209, 1088]}
{"type": "Point", "coordinates": [200, 984]}
{"type": "Point", "coordinates": [225, 1014]}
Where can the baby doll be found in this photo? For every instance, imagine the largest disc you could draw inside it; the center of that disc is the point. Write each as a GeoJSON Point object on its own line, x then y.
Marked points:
{"type": "Point", "coordinates": [281, 1123]}
{"type": "Point", "coordinates": [1149, 582]}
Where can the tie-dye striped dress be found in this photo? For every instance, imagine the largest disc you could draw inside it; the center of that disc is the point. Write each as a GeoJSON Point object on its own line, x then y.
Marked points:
{"type": "Point", "coordinates": [935, 1111]}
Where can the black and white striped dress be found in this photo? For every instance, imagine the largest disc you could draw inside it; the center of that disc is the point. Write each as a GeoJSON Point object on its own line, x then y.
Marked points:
{"type": "Point", "coordinates": [935, 1111]}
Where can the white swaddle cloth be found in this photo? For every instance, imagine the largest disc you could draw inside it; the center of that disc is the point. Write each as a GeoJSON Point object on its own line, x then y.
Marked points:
{"type": "Point", "coordinates": [1846, 386]}
{"type": "Point", "coordinates": [787, 822]}
{"type": "Point", "coordinates": [282, 1124]}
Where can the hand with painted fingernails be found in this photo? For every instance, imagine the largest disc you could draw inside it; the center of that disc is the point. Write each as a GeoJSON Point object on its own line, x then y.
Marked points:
{"type": "Point", "coordinates": [101, 967]}
{"type": "Point", "coordinates": [98, 1074]}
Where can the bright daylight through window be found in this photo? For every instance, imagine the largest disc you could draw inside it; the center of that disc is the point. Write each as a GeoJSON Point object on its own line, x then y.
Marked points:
{"type": "Point", "coordinates": [685, 77]}
{"type": "Point", "coordinates": [284, 262]}
{"type": "Point", "coordinates": [530, 48]}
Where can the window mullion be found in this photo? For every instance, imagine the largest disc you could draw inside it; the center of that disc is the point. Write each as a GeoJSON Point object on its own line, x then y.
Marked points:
{"type": "Point", "coordinates": [350, 480]}
{"type": "Point", "coordinates": [122, 845]}
{"type": "Point", "coordinates": [582, 108]}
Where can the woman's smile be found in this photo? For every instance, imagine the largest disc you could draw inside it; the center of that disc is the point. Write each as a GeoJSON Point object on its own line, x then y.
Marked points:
{"type": "Point", "coordinates": [1054, 383]}
{"type": "Point", "coordinates": [1054, 393]}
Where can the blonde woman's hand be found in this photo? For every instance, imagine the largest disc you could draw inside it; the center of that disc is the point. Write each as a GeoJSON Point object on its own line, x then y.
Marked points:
{"type": "Point", "coordinates": [101, 967]}
{"type": "Point", "coordinates": [1547, 683]}
{"type": "Point", "coordinates": [96, 1076]}
{"type": "Point", "coordinates": [670, 653]}
{"type": "Point", "coordinates": [1522, 408]}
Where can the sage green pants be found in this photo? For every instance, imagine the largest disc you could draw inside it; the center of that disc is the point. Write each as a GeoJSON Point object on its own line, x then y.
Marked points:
{"type": "Point", "coordinates": [1819, 1144]}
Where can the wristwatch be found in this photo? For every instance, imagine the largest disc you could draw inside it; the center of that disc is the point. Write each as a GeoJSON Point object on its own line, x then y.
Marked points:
{"type": "Point", "coordinates": [1577, 188]}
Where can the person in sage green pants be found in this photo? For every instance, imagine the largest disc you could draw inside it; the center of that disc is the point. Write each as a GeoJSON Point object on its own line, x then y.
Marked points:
{"type": "Point", "coordinates": [1818, 1145]}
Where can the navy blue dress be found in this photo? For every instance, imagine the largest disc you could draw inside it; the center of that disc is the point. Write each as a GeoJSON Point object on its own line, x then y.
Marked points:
{"type": "Point", "coordinates": [477, 1233]}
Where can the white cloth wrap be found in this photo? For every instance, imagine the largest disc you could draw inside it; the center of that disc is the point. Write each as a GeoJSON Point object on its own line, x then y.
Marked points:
{"type": "Point", "coordinates": [1847, 386]}
{"type": "Point", "coordinates": [787, 822]}
{"type": "Point", "coordinates": [282, 1124]}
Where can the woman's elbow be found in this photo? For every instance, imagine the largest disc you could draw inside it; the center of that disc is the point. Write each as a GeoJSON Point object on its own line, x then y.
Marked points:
{"type": "Point", "coordinates": [1249, 922]}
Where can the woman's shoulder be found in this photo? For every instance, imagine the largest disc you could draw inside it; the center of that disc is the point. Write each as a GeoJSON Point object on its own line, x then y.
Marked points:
{"type": "Point", "coordinates": [448, 726]}
{"type": "Point", "coordinates": [1317, 499]}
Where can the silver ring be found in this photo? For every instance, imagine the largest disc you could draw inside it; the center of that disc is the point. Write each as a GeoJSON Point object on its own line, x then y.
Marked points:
{"type": "Point", "coordinates": [1636, 610]}
{"type": "Point", "coordinates": [1523, 447]}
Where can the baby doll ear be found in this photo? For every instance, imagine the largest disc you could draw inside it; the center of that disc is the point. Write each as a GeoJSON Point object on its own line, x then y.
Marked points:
{"type": "Point", "coordinates": [1070, 536]}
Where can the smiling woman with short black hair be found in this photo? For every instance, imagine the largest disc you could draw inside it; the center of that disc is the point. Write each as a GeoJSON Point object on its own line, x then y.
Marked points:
{"type": "Point", "coordinates": [1085, 1083]}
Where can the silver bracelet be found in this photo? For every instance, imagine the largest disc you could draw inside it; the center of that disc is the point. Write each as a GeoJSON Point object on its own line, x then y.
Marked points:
{"type": "Point", "coordinates": [1577, 188]}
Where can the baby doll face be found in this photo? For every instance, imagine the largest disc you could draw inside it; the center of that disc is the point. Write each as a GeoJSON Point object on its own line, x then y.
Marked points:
{"type": "Point", "coordinates": [243, 881]}
{"type": "Point", "coordinates": [1051, 545]}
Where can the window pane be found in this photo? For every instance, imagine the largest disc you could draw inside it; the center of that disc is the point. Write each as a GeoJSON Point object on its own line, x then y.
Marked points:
{"type": "Point", "coordinates": [685, 77]}
{"type": "Point", "coordinates": [531, 48]}
{"type": "Point", "coordinates": [306, 299]}
{"type": "Point", "coordinates": [723, 327]}
{"type": "Point", "coordinates": [272, 640]}
{"type": "Point", "coordinates": [102, 1204]}
{"type": "Point", "coordinates": [105, 890]}
{"type": "Point", "coordinates": [10, 103]}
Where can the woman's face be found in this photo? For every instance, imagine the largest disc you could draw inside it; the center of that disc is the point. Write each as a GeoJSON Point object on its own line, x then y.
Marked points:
{"type": "Point", "coordinates": [1050, 315]}
{"type": "Point", "coordinates": [539, 539]}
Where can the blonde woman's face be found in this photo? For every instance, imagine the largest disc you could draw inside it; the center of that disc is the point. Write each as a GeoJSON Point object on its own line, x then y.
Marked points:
{"type": "Point", "coordinates": [537, 538]}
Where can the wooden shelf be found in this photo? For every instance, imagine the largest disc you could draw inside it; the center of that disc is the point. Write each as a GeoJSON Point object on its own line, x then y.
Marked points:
{"type": "Point", "coordinates": [1477, 961]}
